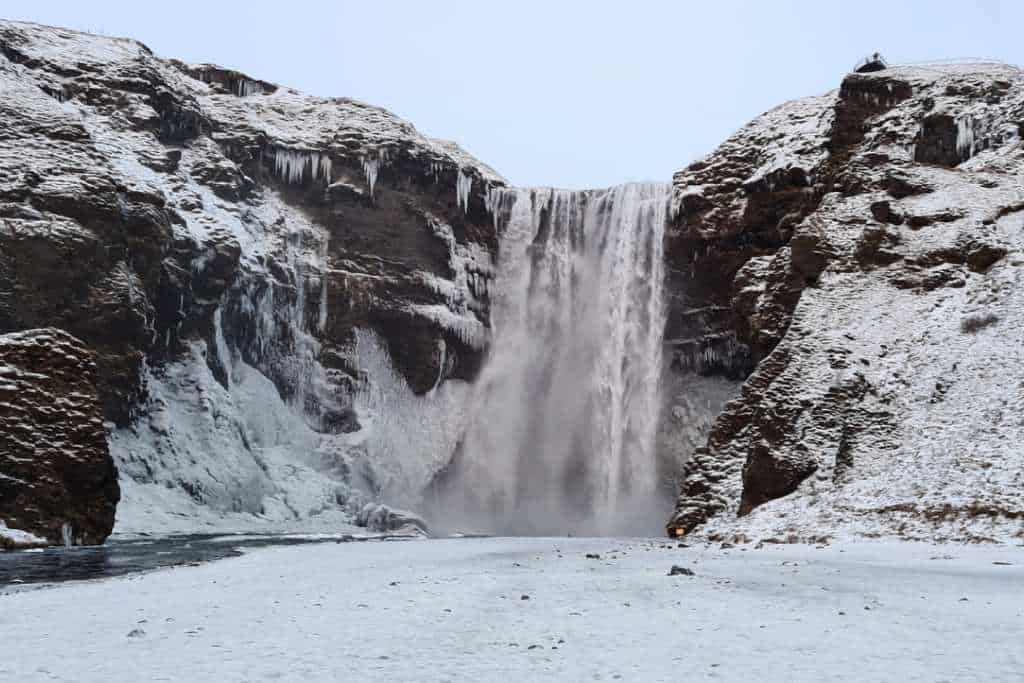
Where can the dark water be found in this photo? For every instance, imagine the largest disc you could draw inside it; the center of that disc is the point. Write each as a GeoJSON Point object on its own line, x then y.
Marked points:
{"type": "Point", "coordinates": [125, 556]}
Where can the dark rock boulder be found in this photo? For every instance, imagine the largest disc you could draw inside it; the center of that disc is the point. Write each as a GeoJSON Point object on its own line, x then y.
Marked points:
{"type": "Point", "coordinates": [57, 479]}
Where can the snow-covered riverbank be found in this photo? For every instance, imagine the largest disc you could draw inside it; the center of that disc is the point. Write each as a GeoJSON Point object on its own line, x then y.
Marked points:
{"type": "Point", "coordinates": [457, 610]}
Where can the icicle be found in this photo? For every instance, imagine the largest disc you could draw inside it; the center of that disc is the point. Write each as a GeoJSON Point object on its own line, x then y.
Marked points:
{"type": "Point", "coordinates": [244, 88]}
{"type": "Point", "coordinates": [442, 364]}
{"type": "Point", "coordinates": [221, 346]}
{"type": "Point", "coordinates": [321, 321]}
{"type": "Point", "coordinates": [465, 327]}
{"type": "Point", "coordinates": [965, 137]}
{"type": "Point", "coordinates": [370, 169]}
{"type": "Point", "coordinates": [266, 324]}
{"type": "Point", "coordinates": [463, 186]}
{"type": "Point", "coordinates": [291, 165]}
{"type": "Point", "coordinates": [372, 165]}
{"type": "Point", "coordinates": [492, 202]}
{"type": "Point", "coordinates": [67, 534]}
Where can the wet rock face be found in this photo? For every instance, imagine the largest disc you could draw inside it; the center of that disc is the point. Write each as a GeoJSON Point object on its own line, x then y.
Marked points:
{"type": "Point", "coordinates": [56, 474]}
{"type": "Point", "coordinates": [842, 250]}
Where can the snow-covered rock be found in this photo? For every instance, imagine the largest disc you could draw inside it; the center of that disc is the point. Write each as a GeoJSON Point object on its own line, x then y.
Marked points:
{"type": "Point", "coordinates": [219, 241]}
{"type": "Point", "coordinates": [384, 519]}
{"type": "Point", "coordinates": [16, 539]}
{"type": "Point", "coordinates": [874, 238]}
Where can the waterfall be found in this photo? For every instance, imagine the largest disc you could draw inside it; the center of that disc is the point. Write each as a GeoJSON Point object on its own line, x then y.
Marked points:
{"type": "Point", "coordinates": [562, 426]}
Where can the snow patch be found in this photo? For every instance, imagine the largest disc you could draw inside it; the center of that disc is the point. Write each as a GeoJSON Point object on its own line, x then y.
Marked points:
{"type": "Point", "coordinates": [16, 538]}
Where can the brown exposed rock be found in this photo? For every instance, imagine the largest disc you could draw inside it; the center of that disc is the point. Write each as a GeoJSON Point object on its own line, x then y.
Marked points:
{"type": "Point", "coordinates": [55, 469]}
{"type": "Point", "coordinates": [735, 205]}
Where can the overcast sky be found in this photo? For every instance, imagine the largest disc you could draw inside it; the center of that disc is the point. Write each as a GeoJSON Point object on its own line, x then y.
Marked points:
{"type": "Point", "coordinates": [573, 94]}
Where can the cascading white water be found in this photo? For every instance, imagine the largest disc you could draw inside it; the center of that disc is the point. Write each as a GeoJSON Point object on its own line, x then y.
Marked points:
{"type": "Point", "coordinates": [562, 427]}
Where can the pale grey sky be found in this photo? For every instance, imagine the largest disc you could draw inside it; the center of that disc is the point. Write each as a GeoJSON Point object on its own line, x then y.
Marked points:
{"type": "Point", "coordinates": [567, 93]}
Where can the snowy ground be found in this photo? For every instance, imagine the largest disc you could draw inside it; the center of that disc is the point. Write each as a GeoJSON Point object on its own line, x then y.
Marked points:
{"type": "Point", "coordinates": [453, 610]}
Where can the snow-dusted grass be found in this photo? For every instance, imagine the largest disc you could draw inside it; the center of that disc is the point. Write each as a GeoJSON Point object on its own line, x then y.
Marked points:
{"type": "Point", "coordinates": [453, 610]}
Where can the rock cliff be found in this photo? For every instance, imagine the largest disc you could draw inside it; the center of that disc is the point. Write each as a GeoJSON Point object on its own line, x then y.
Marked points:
{"type": "Point", "coordinates": [286, 298]}
{"type": "Point", "coordinates": [217, 241]}
{"type": "Point", "coordinates": [861, 253]}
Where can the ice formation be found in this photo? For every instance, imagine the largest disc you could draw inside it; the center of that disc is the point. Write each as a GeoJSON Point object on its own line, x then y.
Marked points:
{"type": "Point", "coordinates": [219, 344]}
{"type": "Point", "coordinates": [463, 186]}
{"type": "Point", "coordinates": [965, 137]}
{"type": "Point", "coordinates": [245, 87]}
{"type": "Point", "coordinates": [408, 437]}
{"type": "Point", "coordinates": [562, 426]}
{"type": "Point", "coordinates": [467, 328]}
{"type": "Point", "coordinates": [372, 165]}
{"type": "Point", "coordinates": [293, 165]}
{"type": "Point", "coordinates": [472, 268]}
{"type": "Point", "coordinates": [283, 331]}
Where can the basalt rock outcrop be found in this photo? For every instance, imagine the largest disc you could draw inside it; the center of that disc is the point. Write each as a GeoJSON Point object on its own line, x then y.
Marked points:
{"type": "Point", "coordinates": [189, 224]}
{"type": "Point", "coordinates": [861, 253]}
{"type": "Point", "coordinates": [57, 479]}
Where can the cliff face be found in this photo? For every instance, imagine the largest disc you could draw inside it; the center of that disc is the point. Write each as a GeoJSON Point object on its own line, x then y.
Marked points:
{"type": "Point", "coordinates": [57, 479]}
{"type": "Point", "coordinates": [862, 252]}
{"type": "Point", "coordinates": [284, 297]}
{"type": "Point", "coordinates": [212, 238]}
